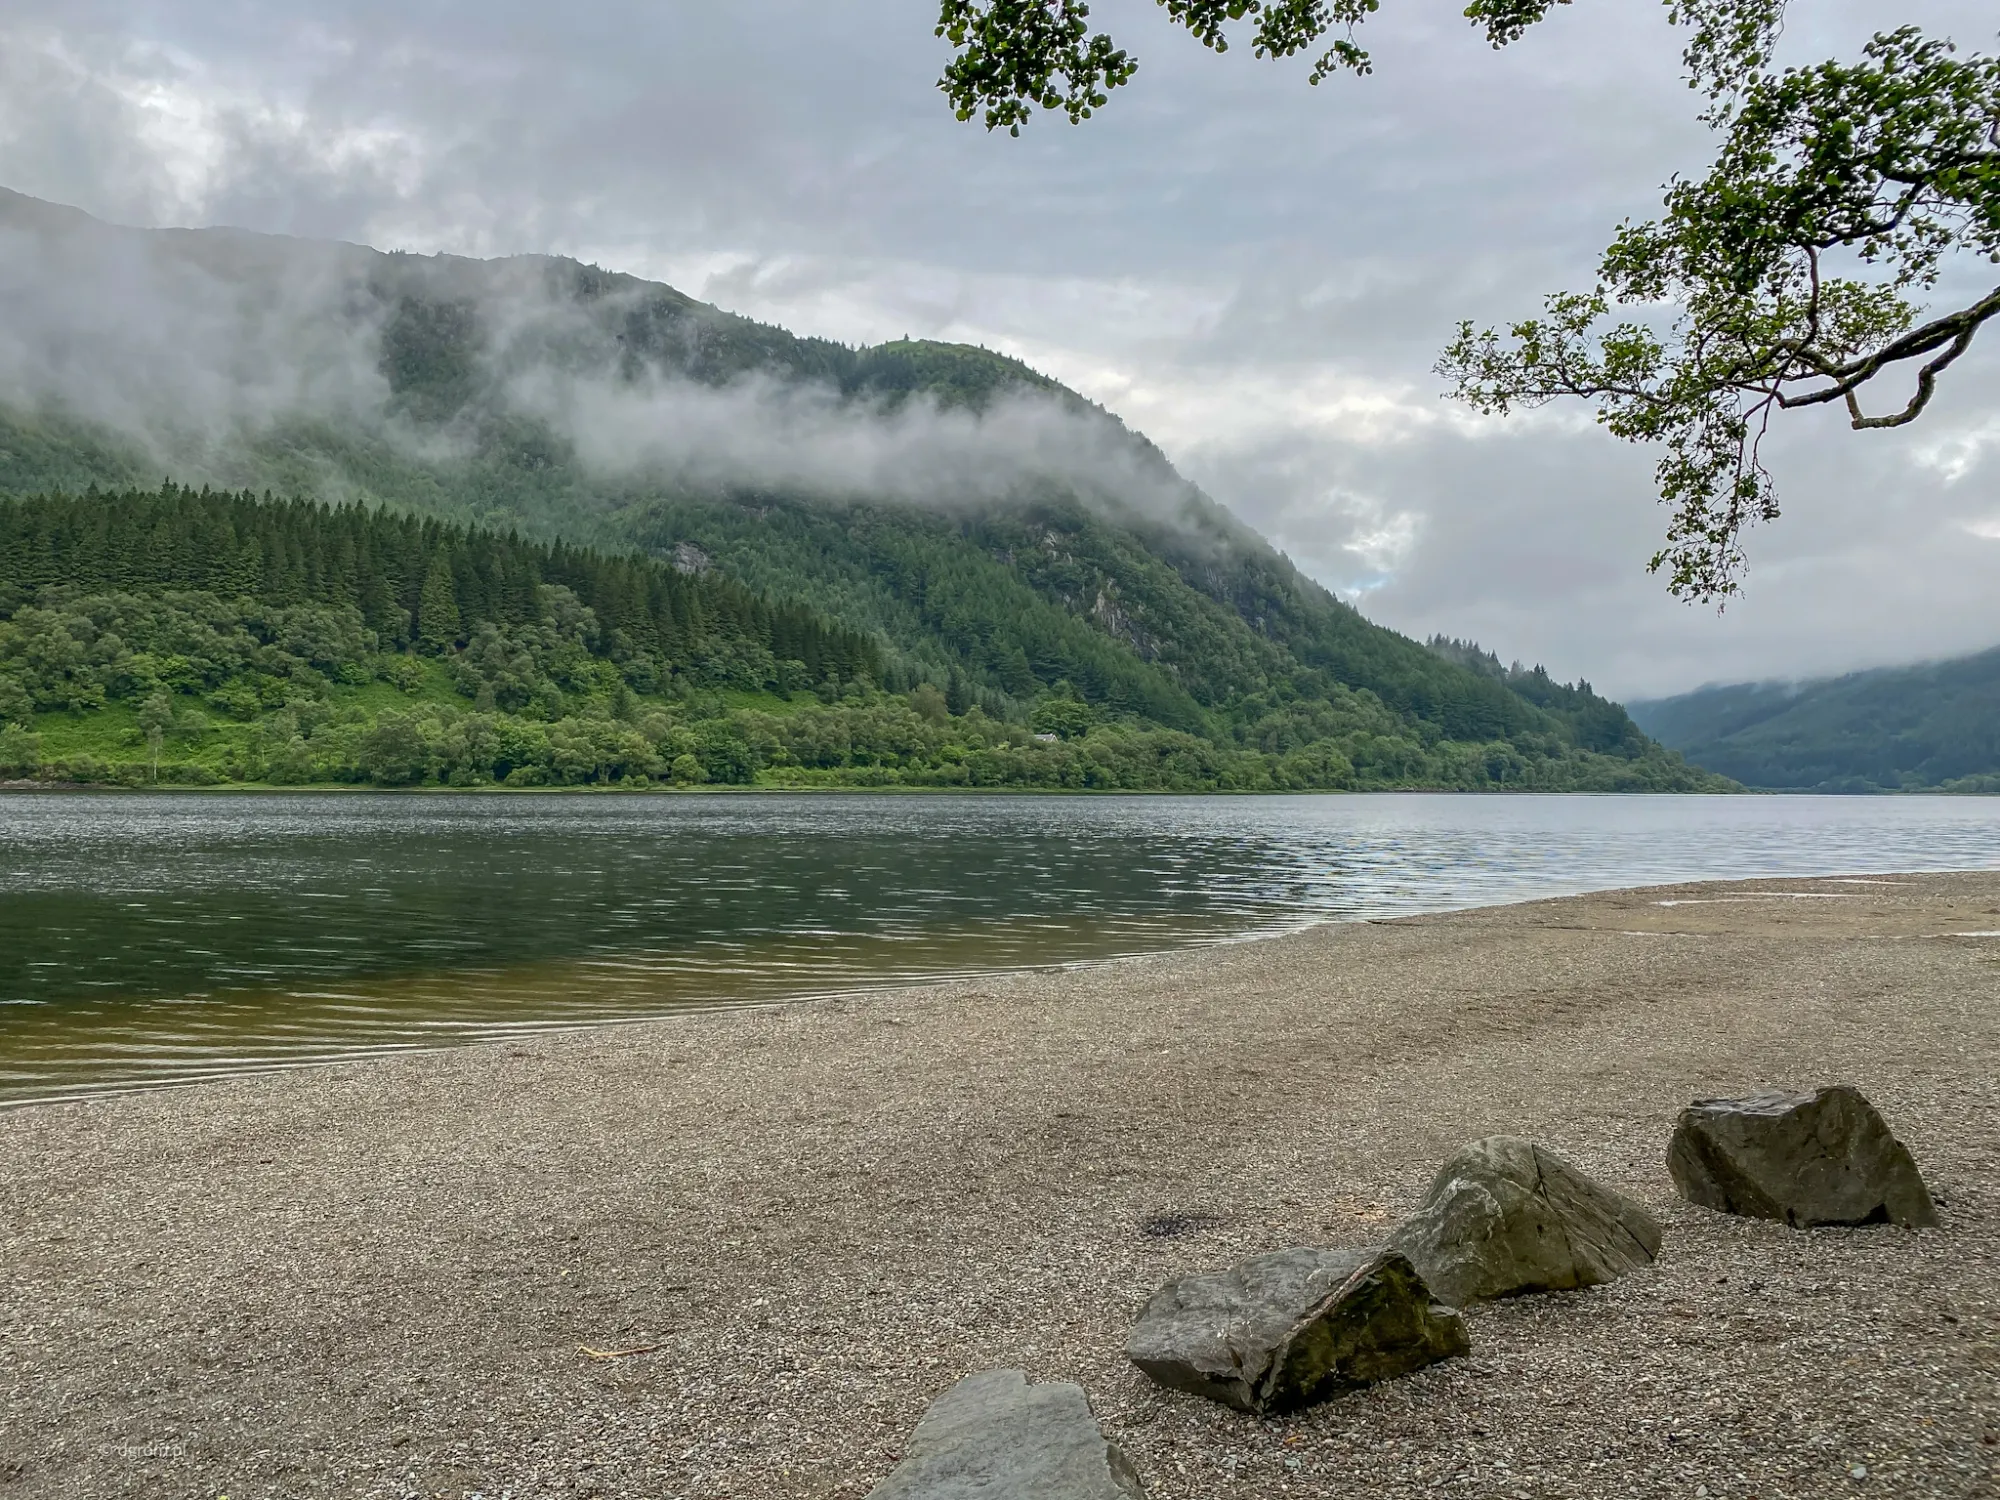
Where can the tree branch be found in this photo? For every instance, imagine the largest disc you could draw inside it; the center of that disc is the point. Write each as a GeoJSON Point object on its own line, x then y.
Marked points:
{"type": "Point", "coordinates": [1954, 328]}
{"type": "Point", "coordinates": [1926, 383]}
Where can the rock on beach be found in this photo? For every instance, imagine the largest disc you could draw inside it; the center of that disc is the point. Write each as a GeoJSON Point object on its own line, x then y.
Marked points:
{"type": "Point", "coordinates": [1290, 1328]}
{"type": "Point", "coordinates": [994, 1436]}
{"type": "Point", "coordinates": [1506, 1216]}
{"type": "Point", "coordinates": [1824, 1158]}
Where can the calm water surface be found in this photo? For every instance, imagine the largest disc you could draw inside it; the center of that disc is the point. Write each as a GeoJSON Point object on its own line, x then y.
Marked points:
{"type": "Point", "coordinates": [147, 940]}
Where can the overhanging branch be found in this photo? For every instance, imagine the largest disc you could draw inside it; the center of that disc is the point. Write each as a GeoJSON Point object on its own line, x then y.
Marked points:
{"type": "Point", "coordinates": [1954, 330]}
{"type": "Point", "coordinates": [1926, 383]}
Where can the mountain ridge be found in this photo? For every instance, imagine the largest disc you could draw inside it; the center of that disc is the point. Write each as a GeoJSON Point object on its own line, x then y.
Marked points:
{"type": "Point", "coordinates": [1927, 726]}
{"type": "Point", "coordinates": [1000, 535]}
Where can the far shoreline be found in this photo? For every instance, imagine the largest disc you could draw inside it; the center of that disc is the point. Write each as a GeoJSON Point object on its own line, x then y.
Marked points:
{"type": "Point", "coordinates": [344, 788]}
{"type": "Point", "coordinates": [731, 789]}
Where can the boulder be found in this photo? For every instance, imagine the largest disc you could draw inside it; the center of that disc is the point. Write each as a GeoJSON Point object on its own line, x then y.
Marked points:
{"type": "Point", "coordinates": [1287, 1329]}
{"type": "Point", "coordinates": [993, 1436]}
{"type": "Point", "coordinates": [1506, 1216]}
{"type": "Point", "coordinates": [1820, 1158]}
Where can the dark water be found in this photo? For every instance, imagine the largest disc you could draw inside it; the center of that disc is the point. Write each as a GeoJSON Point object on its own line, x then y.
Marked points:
{"type": "Point", "coordinates": [154, 939]}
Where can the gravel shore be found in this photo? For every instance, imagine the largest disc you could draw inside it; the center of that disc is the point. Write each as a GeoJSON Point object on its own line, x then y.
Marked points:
{"type": "Point", "coordinates": [795, 1226]}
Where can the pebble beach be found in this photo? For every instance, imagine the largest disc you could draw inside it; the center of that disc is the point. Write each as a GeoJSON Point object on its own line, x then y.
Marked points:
{"type": "Point", "coordinates": [734, 1254]}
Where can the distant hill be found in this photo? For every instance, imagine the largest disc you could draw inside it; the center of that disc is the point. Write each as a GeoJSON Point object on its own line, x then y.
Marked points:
{"type": "Point", "coordinates": [1935, 726]}
{"type": "Point", "coordinates": [998, 538]}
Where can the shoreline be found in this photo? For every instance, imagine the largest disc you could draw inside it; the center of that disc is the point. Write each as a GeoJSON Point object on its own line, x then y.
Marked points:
{"type": "Point", "coordinates": [341, 788]}
{"type": "Point", "coordinates": [377, 1278]}
{"type": "Point", "coordinates": [898, 789]}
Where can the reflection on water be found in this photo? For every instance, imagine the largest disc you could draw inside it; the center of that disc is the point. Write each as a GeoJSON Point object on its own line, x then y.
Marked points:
{"type": "Point", "coordinates": [154, 939]}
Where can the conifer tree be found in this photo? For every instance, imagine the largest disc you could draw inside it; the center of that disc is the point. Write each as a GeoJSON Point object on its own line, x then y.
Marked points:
{"type": "Point", "coordinates": [437, 606]}
{"type": "Point", "coordinates": [422, 583]}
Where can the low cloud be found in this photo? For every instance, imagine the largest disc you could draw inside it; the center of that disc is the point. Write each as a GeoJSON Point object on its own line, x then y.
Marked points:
{"type": "Point", "coordinates": [165, 346]}
{"type": "Point", "coordinates": [762, 433]}
{"type": "Point", "coordinates": [189, 341]}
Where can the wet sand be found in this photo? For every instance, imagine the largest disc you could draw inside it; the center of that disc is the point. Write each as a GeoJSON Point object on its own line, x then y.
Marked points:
{"type": "Point", "coordinates": [794, 1226]}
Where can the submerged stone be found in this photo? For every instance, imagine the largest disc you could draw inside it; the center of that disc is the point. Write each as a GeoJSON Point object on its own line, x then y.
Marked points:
{"type": "Point", "coordinates": [993, 1436]}
{"type": "Point", "coordinates": [1506, 1216]}
{"type": "Point", "coordinates": [1294, 1327]}
{"type": "Point", "coordinates": [1824, 1158]}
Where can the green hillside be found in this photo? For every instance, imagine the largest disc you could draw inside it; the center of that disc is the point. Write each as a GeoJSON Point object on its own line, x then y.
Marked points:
{"type": "Point", "coordinates": [1931, 727]}
{"type": "Point", "coordinates": [1594, 723]}
{"type": "Point", "coordinates": [999, 541]}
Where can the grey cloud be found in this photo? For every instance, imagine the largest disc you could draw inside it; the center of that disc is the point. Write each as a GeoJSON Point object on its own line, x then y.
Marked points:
{"type": "Point", "coordinates": [1222, 239]}
{"type": "Point", "coordinates": [1534, 540]}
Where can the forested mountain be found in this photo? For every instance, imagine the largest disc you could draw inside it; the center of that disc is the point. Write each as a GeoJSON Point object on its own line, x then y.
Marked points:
{"type": "Point", "coordinates": [975, 530]}
{"type": "Point", "coordinates": [1934, 726]}
{"type": "Point", "coordinates": [1593, 722]}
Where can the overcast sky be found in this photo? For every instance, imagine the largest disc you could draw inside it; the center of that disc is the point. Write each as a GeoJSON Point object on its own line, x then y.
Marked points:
{"type": "Point", "coordinates": [1255, 273]}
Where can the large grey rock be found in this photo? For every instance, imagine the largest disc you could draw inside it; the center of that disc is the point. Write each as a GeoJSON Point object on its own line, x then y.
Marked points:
{"type": "Point", "coordinates": [1293, 1327]}
{"type": "Point", "coordinates": [1821, 1158]}
{"type": "Point", "coordinates": [1506, 1216]}
{"type": "Point", "coordinates": [993, 1436]}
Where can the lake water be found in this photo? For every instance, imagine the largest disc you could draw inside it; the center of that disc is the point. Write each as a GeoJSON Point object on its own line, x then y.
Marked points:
{"type": "Point", "coordinates": [155, 939]}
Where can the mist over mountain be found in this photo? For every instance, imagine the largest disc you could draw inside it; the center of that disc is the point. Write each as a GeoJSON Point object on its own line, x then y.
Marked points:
{"type": "Point", "coordinates": [196, 346]}
{"type": "Point", "coordinates": [1929, 727]}
{"type": "Point", "coordinates": [997, 534]}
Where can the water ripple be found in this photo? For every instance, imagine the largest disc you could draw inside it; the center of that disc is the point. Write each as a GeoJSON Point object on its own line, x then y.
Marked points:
{"type": "Point", "coordinates": [166, 939]}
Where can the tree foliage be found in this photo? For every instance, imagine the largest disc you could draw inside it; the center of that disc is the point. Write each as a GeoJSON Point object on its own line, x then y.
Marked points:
{"type": "Point", "coordinates": [1787, 276]}
{"type": "Point", "coordinates": [1839, 195]}
{"type": "Point", "coordinates": [415, 582]}
{"type": "Point", "coordinates": [1013, 57]}
{"type": "Point", "coordinates": [195, 637]}
{"type": "Point", "coordinates": [1154, 622]}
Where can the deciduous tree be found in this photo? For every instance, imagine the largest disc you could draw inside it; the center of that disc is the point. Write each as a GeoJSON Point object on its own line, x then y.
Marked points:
{"type": "Point", "coordinates": [1791, 274]}
{"type": "Point", "coordinates": [156, 717]}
